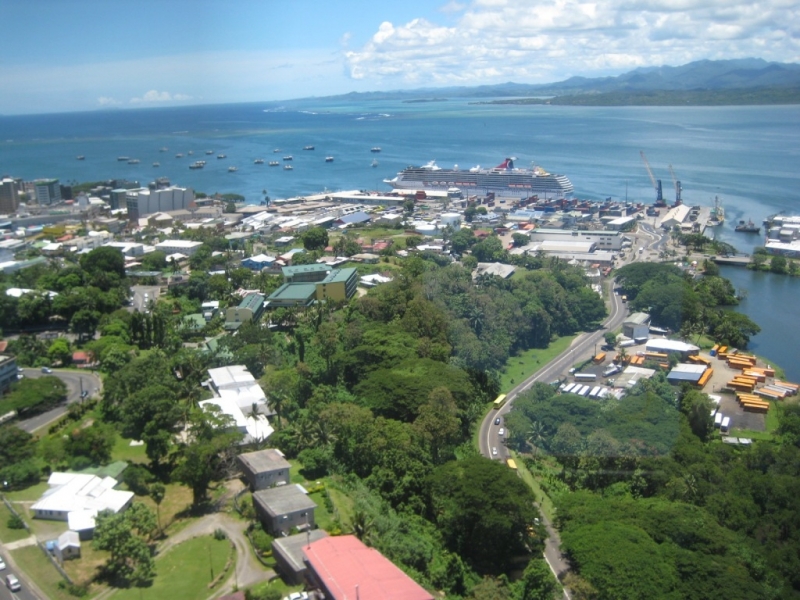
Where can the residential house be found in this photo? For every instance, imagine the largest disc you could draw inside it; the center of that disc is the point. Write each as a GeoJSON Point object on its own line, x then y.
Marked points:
{"type": "Point", "coordinates": [264, 469]}
{"type": "Point", "coordinates": [281, 509]}
{"type": "Point", "coordinates": [77, 498]}
{"type": "Point", "coordinates": [288, 554]}
{"type": "Point", "coordinates": [68, 546]}
{"type": "Point", "coordinates": [343, 567]}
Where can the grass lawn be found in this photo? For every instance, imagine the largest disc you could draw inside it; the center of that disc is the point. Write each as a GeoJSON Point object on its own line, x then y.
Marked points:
{"type": "Point", "coordinates": [545, 503]}
{"type": "Point", "coordinates": [30, 494]}
{"type": "Point", "coordinates": [322, 516]}
{"type": "Point", "coordinates": [525, 364]}
{"type": "Point", "coordinates": [753, 435]}
{"type": "Point", "coordinates": [39, 569]}
{"type": "Point", "coordinates": [84, 569]}
{"type": "Point", "coordinates": [177, 499]}
{"type": "Point", "coordinates": [185, 571]}
{"type": "Point", "coordinates": [6, 534]}
{"type": "Point", "coordinates": [277, 584]}
{"type": "Point", "coordinates": [123, 450]}
{"type": "Point", "coordinates": [344, 506]}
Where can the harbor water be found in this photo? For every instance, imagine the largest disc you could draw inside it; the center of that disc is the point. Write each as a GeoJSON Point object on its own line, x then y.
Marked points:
{"type": "Point", "coordinates": [747, 156]}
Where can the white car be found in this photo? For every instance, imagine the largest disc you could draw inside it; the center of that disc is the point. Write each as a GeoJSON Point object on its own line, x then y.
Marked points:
{"type": "Point", "coordinates": [502, 432]}
{"type": "Point", "coordinates": [494, 451]}
{"type": "Point", "coordinates": [13, 583]}
{"type": "Point", "coordinates": [2, 565]}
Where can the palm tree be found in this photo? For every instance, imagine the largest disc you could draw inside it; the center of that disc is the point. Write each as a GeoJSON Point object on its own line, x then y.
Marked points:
{"type": "Point", "coordinates": [535, 436]}
{"type": "Point", "coordinates": [363, 526]}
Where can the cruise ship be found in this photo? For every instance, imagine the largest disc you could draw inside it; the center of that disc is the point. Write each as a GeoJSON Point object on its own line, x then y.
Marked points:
{"type": "Point", "coordinates": [503, 180]}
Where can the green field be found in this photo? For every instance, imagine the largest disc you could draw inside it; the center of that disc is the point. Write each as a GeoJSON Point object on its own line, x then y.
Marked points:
{"type": "Point", "coordinates": [40, 570]}
{"type": "Point", "coordinates": [185, 571]}
{"type": "Point", "coordinates": [523, 365]}
{"type": "Point", "coordinates": [7, 534]}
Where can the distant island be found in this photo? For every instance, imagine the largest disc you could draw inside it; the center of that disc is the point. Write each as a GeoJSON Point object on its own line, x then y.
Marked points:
{"type": "Point", "coordinates": [735, 97]}
{"type": "Point", "coordinates": [421, 100]}
{"type": "Point", "coordinates": [736, 82]}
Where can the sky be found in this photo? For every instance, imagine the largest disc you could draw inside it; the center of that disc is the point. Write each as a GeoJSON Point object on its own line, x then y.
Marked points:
{"type": "Point", "coordinates": [73, 55]}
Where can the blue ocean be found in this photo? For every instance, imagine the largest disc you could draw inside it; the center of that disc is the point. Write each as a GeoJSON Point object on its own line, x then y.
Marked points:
{"type": "Point", "coordinates": [747, 156]}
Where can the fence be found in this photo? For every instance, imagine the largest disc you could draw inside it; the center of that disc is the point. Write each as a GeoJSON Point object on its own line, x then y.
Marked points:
{"type": "Point", "coordinates": [41, 546]}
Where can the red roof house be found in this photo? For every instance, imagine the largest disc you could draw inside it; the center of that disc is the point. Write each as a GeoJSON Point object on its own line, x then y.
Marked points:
{"type": "Point", "coordinates": [345, 569]}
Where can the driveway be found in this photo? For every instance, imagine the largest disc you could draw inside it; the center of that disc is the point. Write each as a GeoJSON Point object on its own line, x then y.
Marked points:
{"type": "Point", "coordinates": [248, 570]}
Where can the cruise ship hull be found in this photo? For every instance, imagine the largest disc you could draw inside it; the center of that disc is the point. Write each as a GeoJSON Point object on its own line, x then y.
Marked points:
{"type": "Point", "coordinates": [503, 181]}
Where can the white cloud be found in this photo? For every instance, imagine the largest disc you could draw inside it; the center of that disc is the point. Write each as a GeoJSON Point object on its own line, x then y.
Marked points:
{"type": "Point", "coordinates": [154, 96]}
{"type": "Point", "coordinates": [548, 40]}
{"type": "Point", "coordinates": [108, 101]}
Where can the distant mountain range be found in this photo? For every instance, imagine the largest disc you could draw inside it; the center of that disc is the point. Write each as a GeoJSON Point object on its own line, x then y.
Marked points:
{"type": "Point", "coordinates": [737, 81]}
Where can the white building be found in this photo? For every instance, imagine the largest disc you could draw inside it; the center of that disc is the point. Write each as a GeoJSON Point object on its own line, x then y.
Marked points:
{"type": "Point", "coordinates": [601, 239]}
{"type": "Point", "coordinates": [676, 216]}
{"type": "Point", "coordinates": [239, 396]}
{"type": "Point", "coordinates": [48, 191]}
{"type": "Point", "coordinates": [187, 247]}
{"type": "Point", "coordinates": [77, 498]}
{"type": "Point", "coordinates": [144, 201]}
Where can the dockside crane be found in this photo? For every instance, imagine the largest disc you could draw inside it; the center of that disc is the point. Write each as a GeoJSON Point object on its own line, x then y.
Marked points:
{"type": "Point", "coordinates": [678, 188]}
{"type": "Point", "coordinates": [656, 182]}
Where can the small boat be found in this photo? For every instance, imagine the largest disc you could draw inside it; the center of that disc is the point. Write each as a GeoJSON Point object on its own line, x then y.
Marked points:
{"type": "Point", "coordinates": [258, 161]}
{"type": "Point", "coordinates": [163, 149]}
{"type": "Point", "coordinates": [375, 149]}
{"type": "Point", "coordinates": [274, 163]}
{"type": "Point", "coordinates": [308, 147]}
{"type": "Point", "coordinates": [287, 157]}
{"type": "Point", "coordinates": [232, 169]}
{"type": "Point", "coordinates": [287, 167]}
{"type": "Point", "coordinates": [220, 156]}
{"type": "Point", "coordinates": [122, 158]}
{"type": "Point", "coordinates": [374, 163]}
{"type": "Point", "coordinates": [179, 155]}
{"type": "Point", "coordinates": [190, 153]}
{"type": "Point", "coordinates": [276, 150]}
{"type": "Point", "coordinates": [133, 161]}
{"type": "Point", "coordinates": [81, 157]}
{"type": "Point", "coordinates": [198, 164]}
{"type": "Point", "coordinates": [155, 164]}
{"type": "Point", "coordinates": [328, 159]}
{"type": "Point", "coordinates": [748, 227]}
{"type": "Point", "coordinates": [209, 152]}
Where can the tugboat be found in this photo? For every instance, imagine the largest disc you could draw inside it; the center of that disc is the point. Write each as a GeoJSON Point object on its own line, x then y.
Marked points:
{"type": "Point", "coordinates": [156, 164]}
{"type": "Point", "coordinates": [232, 169]}
{"type": "Point", "coordinates": [274, 163]}
{"type": "Point", "coordinates": [258, 161]}
{"type": "Point", "coordinates": [328, 159]}
{"type": "Point", "coordinates": [748, 227]}
{"type": "Point", "coordinates": [308, 147]}
{"type": "Point", "coordinates": [375, 149]}
{"type": "Point", "coordinates": [287, 167]}
{"type": "Point", "coordinates": [209, 152]}
{"type": "Point", "coordinates": [198, 164]}
{"type": "Point", "coordinates": [81, 157]}
{"type": "Point", "coordinates": [289, 157]}
{"type": "Point", "coordinates": [221, 156]}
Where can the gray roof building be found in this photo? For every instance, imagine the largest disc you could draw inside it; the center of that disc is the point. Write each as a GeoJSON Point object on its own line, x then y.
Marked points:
{"type": "Point", "coordinates": [265, 468]}
{"type": "Point", "coordinates": [282, 508]}
{"type": "Point", "coordinates": [288, 553]}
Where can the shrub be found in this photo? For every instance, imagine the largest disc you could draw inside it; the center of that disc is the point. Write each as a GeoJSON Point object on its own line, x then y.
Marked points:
{"type": "Point", "coordinates": [15, 522]}
{"type": "Point", "coordinates": [263, 592]}
{"type": "Point", "coordinates": [219, 534]}
{"type": "Point", "coordinates": [262, 541]}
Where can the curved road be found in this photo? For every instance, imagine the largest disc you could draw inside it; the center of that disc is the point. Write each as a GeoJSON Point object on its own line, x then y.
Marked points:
{"type": "Point", "coordinates": [76, 382]}
{"type": "Point", "coordinates": [581, 348]}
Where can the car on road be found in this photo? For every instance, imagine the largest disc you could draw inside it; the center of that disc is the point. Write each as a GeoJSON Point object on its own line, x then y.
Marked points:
{"type": "Point", "coordinates": [47, 370]}
{"type": "Point", "coordinates": [494, 451]}
{"type": "Point", "coordinates": [497, 421]}
{"type": "Point", "coordinates": [502, 432]}
{"type": "Point", "coordinates": [2, 565]}
{"type": "Point", "coordinates": [13, 583]}
{"type": "Point", "coordinates": [84, 393]}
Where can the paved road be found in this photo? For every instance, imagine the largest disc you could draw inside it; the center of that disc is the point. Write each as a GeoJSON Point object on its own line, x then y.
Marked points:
{"type": "Point", "coordinates": [76, 382]}
{"type": "Point", "coordinates": [581, 348]}
{"type": "Point", "coordinates": [28, 592]}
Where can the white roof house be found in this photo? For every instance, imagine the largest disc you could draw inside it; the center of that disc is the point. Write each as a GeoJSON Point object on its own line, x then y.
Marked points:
{"type": "Point", "coordinates": [77, 498]}
{"type": "Point", "coordinates": [240, 396]}
{"type": "Point", "coordinates": [253, 427]}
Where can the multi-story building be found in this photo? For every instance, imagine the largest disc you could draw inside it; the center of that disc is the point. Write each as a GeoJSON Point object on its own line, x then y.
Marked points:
{"type": "Point", "coordinates": [9, 199]}
{"type": "Point", "coordinates": [186, 247]}
{"type": "Point", "coordinates": [48, 191]}
{"type": "Point", "coordinates": [143, 201]}
{"type": "Point", "coordinates": [8, 372]}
